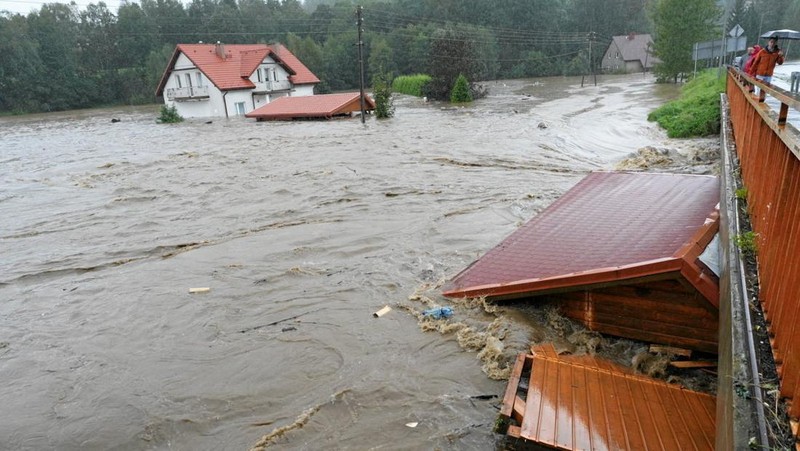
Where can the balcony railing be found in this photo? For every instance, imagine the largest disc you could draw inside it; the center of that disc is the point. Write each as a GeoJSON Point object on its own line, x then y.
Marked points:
{"type": "Point", "coordinates": [188, 93]}
{"type": "Point", "coordinates": [271, 86]}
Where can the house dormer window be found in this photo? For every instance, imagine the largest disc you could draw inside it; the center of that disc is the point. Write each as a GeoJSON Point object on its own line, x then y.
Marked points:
{"type": "Point", "coordinates": [260, 78]}
{"type": "Point", "coordinates": [274, 75]}
{"type": "Point", "coordinates": [199, 79]}
{"type": "Point", "coordinates": [178, 80]}
{"type": "Point", "coordinates": [266, 74]}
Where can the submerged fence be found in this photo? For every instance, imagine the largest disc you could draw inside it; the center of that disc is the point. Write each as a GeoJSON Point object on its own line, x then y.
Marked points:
{"type": "Point", "coordinates": [768, 147]}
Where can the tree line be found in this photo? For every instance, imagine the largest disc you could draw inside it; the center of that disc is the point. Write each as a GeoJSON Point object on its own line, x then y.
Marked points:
{"type": "Point", "coordinates": [66, 56]}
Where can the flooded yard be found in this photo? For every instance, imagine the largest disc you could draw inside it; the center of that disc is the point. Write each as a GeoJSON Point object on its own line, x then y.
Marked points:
{"type": "Point", "coordinates": [301, 230]}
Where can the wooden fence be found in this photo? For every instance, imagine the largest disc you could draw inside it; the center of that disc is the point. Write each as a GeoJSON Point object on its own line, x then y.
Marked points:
{"type": "Point", "coordinates": [768, 147]}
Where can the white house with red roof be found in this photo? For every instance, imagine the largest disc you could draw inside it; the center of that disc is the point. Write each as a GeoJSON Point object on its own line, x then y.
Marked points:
{"type": "Point", "coordinates": [216, 80]}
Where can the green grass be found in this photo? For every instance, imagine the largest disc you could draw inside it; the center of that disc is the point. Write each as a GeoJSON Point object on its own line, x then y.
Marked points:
{"type": "Point", "coordinates": [697, 111]}
{"type": "Point", "coordinates": [747, 242]}
{"type": "Point", "coordinates": [410, 84]}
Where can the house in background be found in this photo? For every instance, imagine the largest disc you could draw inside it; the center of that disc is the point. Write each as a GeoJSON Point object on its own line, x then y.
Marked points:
{"type": "Point", "coordinates": [629, 54]}
{"type": "Point", "coordinates": [216, 80]}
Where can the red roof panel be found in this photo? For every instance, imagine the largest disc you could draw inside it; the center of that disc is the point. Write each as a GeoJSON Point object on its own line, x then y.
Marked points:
{"type": "Point", "coordinates": [621, 224]}
{"type": "Point", "coordinates": [310, 106]}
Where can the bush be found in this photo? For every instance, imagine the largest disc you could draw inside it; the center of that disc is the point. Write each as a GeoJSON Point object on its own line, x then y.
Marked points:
{"type": "Point", "coordinates": [412, 85]}
{"type": "Point", "coordinates": [461, 92]}
{"type": "Point", "coordinates": [169, 115]}
{"type": "Point", "coordinates": [384, 107]}
{"type": "Point", "coordinates": [696, 112]}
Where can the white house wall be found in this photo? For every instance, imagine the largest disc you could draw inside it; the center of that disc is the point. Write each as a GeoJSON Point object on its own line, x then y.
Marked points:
{"type": "Point", "coordinates": [204, 107]}
{"type": "Point", "coordinates": [244, 96]}
{"type": "Point", "coordinates": [303, 90]}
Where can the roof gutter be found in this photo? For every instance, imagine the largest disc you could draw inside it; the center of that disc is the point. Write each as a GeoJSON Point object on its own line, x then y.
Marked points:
{"type": "Point", "coordinates": [225, 103]}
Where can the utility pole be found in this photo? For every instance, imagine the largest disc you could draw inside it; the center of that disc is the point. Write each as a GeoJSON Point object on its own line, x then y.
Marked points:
{"type": "Point", "coordinates": [361, 62]}
{"type": "Point", "coordinates": [592, 37]}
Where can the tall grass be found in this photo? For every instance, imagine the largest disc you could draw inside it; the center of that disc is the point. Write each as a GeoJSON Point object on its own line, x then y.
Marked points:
{"type": "Point", "coordinates": [410, 84]}
{"type": "Point", "coordinates": [697, 111]}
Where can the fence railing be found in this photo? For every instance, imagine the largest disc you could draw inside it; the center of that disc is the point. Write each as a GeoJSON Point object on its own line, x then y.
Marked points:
{"type": "Point", "coordinates": [270, 86]}
{"type": "Point", "coordinates": [768, 147]}
{"type": "Point", "coordinates": [189, 92]}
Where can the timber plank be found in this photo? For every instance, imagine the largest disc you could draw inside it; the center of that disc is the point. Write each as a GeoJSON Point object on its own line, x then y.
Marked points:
{"type": "Point", "coordinates": [513, 385]}
{"type": "Point", "coordinates": [638, 334]}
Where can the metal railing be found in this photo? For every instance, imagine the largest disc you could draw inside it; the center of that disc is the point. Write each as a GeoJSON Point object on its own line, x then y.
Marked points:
{"type": "Point", "coordinates": [189, 92]}
{"type": "Point", "coordinates": [769, 156]}
{"type": "Point", "coordinates": [271, 86]}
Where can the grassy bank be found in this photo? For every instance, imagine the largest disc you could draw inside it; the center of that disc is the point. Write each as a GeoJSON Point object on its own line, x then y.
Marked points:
{"type": "Point", "coordinates": [410, 84]}
{"type": "Point", "coordinates": [697, 111]}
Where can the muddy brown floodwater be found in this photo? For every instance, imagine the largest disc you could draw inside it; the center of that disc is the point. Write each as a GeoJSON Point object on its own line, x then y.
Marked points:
{"type": "Point", "coordinates": [301, 230]}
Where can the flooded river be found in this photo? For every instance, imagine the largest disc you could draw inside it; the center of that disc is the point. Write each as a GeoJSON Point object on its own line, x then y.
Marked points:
{"type": "Point", "coordinates": [301, 230]}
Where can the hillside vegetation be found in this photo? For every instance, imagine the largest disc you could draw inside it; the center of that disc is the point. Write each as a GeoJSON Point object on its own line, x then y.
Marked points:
{"type": "Point", "coordinates": [697, 111]}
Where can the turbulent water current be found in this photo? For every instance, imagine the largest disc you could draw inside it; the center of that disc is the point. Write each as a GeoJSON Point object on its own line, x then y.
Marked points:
{"type": "Point", "coordinates": [300, 230]}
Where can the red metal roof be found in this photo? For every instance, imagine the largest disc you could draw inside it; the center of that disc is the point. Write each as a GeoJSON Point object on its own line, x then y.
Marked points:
{"type": "Point", "coordinates": [241, 60]}
{"type": "Point", "coordinates": [611, 226]}
{"type": "Point", "coordinates": [322, 106]}
{"type": "Point", "coordinates": [580, 403]}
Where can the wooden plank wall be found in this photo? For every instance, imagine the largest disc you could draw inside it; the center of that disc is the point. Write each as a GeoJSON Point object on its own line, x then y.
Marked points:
{"type": "Point", "coordinates": [770, 169]}
{"type": "Point", "coordinates": [666, 312]}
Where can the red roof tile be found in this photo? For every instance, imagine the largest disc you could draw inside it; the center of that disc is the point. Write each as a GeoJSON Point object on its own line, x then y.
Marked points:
{"type": "Point", "coordinates": [321, 106]}
{"type": "Point", "coordinates": [579, 403]}
{"type": "Point", "coordinates": [610, 226]}
{"type": "Point", "coordinates": [240, 61]}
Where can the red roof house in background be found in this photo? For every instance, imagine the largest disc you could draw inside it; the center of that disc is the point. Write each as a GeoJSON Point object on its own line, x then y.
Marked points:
{"type": "Point", "coordinates": [618, 252]}
{"type": "Point", "coordinates": [312, 107]}
{"type": "Point", "coordinates": [207, 80]}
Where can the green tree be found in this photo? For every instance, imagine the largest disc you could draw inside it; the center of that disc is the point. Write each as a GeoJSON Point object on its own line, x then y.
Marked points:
{"type": "Point", "coordinates": [380, 60]}
{"type": "Point", "coordinates": [452, 54]}
{"type": "Point", "coordinates": [678, 25]}
{"type": "Point", "coordinates": [55, 28]}
{"type": "Point", "coordinates": [460, 92]}
{"type": "Point", "coordinates": [382, 89]}
{"type": "Point", "coordinates": [20, 67]}
{"type": "Point", "coordinates": [340, 61]}
{"type": "Point", "coordinates": [135, 35]}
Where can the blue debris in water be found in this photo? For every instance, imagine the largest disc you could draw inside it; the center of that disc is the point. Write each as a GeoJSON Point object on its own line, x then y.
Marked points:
{"type": "Point", "coordinates": [439, 312]}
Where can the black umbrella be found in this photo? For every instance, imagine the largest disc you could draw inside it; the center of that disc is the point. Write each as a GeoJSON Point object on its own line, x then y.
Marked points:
{"type": "Point", "coordinates": [782, 34]}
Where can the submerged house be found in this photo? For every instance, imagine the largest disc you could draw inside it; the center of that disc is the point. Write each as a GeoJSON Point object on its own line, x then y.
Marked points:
{"type": "Point", "coordinates": [326, 106]}
{"type": "Point", "coordinates": [629, 53]}
{"type": "Point", "coordinates": [620, 253]}
{"type": "Point", "coordinates": [217, 80]}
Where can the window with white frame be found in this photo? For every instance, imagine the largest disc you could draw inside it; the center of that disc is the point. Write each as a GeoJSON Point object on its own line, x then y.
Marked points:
{"type": "Point", "coordinates": [199, 79]}
{"type": "Point", "coordinates": [178, 80]}
{"type": "Point", "coordinates": [239, 108]}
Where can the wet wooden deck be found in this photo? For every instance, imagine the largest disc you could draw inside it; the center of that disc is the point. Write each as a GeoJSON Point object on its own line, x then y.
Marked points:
{"type": "Point", "coordinates": [581, 403]}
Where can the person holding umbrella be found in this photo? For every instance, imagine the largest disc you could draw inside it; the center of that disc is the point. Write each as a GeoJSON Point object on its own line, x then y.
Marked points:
{"type": "Point", "coordinates": [765, 60]}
